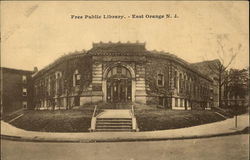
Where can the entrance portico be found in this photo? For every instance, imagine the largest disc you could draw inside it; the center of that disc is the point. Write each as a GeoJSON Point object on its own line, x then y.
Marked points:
{"type": "Point", "coordinates": [118, 83]}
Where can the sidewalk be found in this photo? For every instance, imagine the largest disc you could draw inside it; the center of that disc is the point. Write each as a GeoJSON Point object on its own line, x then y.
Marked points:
{"type": "Point", "coordinates": [208, 130]}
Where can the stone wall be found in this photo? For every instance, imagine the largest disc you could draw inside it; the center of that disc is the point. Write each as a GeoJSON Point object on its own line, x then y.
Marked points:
{"type": "Point", "coordinates": [154, 91]}
{"type": "Point", "coordinates": [182, 88]}
{"type": "Point", "coordinates": [56, 89]}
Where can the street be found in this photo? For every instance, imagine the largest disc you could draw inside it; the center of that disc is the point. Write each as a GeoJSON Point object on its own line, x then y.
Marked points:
{"type": "Point", "coordinates": [222, 148]}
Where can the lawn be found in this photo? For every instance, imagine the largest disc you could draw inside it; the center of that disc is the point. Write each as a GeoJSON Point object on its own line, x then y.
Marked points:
{"type": "Point", "coordinates": [55, 121]}
{"type": "Point", "coordinates": [151, 118]}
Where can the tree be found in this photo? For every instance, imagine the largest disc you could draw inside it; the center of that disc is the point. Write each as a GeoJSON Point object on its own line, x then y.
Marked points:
{"type": "Point", "coordinates": [220, 67]}
{"type": "Point", "coordinates": [236, 84]}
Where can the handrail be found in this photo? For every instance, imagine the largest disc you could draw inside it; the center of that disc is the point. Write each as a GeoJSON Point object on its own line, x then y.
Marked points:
{"type": "Point", "coordinates": [132, 110]}
{"type": "Point", "coordinates": [94, 111]}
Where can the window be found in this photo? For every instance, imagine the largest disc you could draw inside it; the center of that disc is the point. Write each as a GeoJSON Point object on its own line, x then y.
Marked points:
{"type": "Point", "coordinates": [175, 79]}
{"type": "Point", "coordinates": [76, 78]}
{"type": "Point", "coordinates": [184, 82]}
{"type": "Point", "coordinates": [25, 104]}
{"type": "Point", "coordinates": [180, 81]}
{"type": "Point", "coordinates": [119, 71]}
{"type": "Point", "coordinates": [24, 79]}
{"type": "Point", "coordinates": [160, 80]}
{"type": "Point", "coordinates": [24, 91]}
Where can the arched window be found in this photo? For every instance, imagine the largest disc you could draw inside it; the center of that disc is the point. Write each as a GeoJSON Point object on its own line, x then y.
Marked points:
{"type": "Point", "coordinates": [119, 71]}
{"type": "Point", "coordinates": [175, 79]}
{"type": "Point", "coordinates": [180, 82]}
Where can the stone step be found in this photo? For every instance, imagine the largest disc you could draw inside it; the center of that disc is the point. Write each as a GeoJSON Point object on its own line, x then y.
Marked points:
{"type": "Point", "coordinates": [97, 75]}
{"type": "Point", "coordinates": [114, 130]}
{"type": "Point", "coordinates": [113, 124]}
{"type": "Point", "coordinates": [96, 78]}
{"type": "Point", "coordinates": [140, 82]}
{"type": "Point", "coordinates": [96, 81]}
{"type": "Point", "coordinates": [117, 126]}
{"type": "Point", "coordinates": [140, 85]}
{"type": "Point", "coordinates": [113, 127]}
{"type": "Point", "coordinates": [114, 120]}
{"type": "Point", "coordinates": [140, 78]}
{"type": "Point", "coordinates": [97, 68]}
{"type": "Point", "coordinates": [140, 88]}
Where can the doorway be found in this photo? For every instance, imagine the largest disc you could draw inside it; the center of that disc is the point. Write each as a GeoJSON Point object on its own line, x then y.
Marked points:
{"type": "Point", "coordinates": [119, 85]}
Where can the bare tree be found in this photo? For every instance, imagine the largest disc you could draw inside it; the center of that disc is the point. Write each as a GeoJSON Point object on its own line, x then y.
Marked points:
{"type": "Point", "coordinates": [220, 66]}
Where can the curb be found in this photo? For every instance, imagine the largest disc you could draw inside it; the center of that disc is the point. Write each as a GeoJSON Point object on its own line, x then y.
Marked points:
{"type": "Point", "coordinates": [117, 139]}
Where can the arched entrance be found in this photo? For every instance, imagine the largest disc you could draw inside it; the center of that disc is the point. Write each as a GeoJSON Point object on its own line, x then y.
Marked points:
{"type": "Point", "coordinates": [118, 84]}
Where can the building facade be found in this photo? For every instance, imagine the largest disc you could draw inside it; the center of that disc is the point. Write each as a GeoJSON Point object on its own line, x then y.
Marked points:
{"type": "Point", "coordinates": [16, 90]}
{"type": "Point", "coordinates": [204, 67]}
{"type": "Point", "coordinates": [121, 73]}
{"type": "Point", "coordinates": [228, 99]}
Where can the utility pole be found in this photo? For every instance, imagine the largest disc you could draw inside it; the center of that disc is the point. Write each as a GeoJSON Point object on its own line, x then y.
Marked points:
{"type": "Point", "coordinates": [236, 113]}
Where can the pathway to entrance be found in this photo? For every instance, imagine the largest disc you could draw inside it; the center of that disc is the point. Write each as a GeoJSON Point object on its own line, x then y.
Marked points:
{"type": "Point", "coordinates": [112, 113]}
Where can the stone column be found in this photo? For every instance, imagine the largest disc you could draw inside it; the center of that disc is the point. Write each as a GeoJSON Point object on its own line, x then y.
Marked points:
{"type": "Point", "coordinates": [104, 90]}
{"type": "Point", "coordinates": [173, 102]}
{"type": "Point", "coordinates": [133, 90]}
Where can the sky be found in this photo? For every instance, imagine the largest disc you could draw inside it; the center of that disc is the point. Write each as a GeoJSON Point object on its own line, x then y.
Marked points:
{"type": "Point", "coordinates": [37, 33]}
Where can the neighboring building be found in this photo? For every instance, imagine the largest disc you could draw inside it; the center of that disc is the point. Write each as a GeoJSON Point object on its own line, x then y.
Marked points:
{"type": "Point", "coordinates": [204, 67]}
{"type": "Point", "coordinates": [236, 88]}
{"type": "Point", "coordinates": [227, 99]}
{"type": "Point", "coordinates": [121, 73]}
{"type": "Point", "coordinates": [16, 90]}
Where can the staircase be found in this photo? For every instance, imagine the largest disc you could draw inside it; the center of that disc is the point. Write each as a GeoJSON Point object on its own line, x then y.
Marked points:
{"type": "Point", "coordinates": [113, 125]}
{"type": "Point", "coordinates": [114, 120]}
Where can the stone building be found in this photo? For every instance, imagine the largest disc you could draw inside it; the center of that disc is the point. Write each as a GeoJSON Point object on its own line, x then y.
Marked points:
{"type": "Point", "coordinates": [121, 73]}
{"type": "Point", "coordinates": [16, 90]}
{"type": "Point", "coordinates": [204, 67]}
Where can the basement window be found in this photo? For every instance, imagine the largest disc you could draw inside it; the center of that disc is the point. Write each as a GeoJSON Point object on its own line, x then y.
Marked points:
{"type": "Point", "coordinates": [161, 101]}
{"type": "Point", "coordinates": [25, 104]}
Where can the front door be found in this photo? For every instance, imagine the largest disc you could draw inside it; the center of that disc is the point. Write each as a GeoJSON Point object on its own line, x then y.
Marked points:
{"type": "Point", "coordinates": [119, 90]}
{"type": "Point", "coordinates": [119, 85]}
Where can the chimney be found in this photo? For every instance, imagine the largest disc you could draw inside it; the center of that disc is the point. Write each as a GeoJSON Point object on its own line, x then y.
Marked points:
{"type": "Point", "coordinates": [35, 69]}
